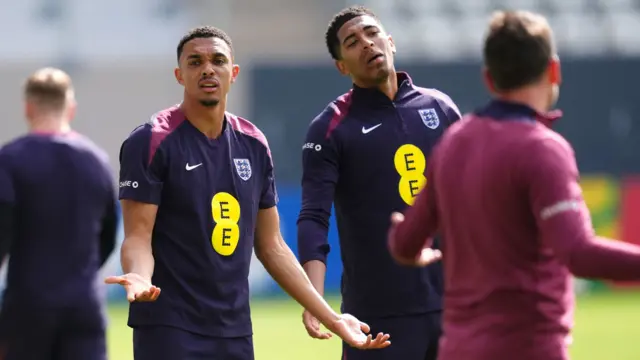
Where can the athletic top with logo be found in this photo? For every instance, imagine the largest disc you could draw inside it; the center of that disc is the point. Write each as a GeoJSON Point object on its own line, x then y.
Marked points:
{"type": "Point", "coordinates": [208, 192]}
{"type": "Point", "coordinates": [366, 155]}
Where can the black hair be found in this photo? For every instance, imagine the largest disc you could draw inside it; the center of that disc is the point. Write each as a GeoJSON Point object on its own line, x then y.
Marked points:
{"type": "Point", "coordinates": [203, 32]}
{"type": "Point", "coordinates": [517, 49]}
{"type": "Point", "coordinates": [339, 19]}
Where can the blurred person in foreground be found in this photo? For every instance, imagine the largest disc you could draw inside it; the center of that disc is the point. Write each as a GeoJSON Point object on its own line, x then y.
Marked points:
{"type": "Point", "coordinates": [504, 193]}
{"type": "Point", "coordinates": [198, 194]}
{"type": "Point", "coordinates": [58, 219]}
{"type": "Point", "coordinates": [366, 153]}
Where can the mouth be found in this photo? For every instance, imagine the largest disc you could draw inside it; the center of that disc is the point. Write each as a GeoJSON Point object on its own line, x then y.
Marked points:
{"type": "Point", "coordinates": [376, 58]}
{"type": "Point", "coordinates": [208, 85]}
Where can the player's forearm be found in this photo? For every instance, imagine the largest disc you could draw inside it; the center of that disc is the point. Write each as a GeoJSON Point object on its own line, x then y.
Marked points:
{"type": "Point", "coordinates": [283, 266]}
{"type": "Point", "coordinates": [136, 257]}
{"type": "Point", "coordinates": [316, 271]}
{"type": "Point", "coordinates": [601, 258]}
{"type": "Point", "coordinates": [407, 240]}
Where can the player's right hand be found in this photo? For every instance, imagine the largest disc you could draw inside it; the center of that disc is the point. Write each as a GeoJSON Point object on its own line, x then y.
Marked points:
{"type": "Point", "coordinates": [137, 287]}
{"type": "Point", "coordinates": [313, 326]}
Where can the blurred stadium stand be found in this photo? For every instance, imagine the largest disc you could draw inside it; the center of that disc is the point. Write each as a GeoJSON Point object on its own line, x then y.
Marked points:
{"type": "Point", "coordinates": [121, 54]}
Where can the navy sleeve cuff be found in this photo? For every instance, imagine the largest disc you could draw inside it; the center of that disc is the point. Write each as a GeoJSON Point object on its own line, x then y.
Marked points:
{"type": "Point", "coordinates": [312, 241]}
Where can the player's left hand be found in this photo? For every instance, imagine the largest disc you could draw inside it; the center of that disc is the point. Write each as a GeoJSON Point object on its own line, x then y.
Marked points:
{"type": "Point", "coordinates": [426, 256]}
{"type": "Point", "coordinates": [354, 332]}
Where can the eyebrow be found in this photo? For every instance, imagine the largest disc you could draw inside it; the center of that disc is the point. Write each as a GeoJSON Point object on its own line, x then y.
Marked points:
{"type": "Point", "coordinates": [215, 55]}
{"type": "Point", "coordinates": [367, 27]}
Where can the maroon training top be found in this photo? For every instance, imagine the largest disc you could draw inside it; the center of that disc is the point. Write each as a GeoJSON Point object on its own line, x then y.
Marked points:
{"type": "Point", "coordinates": [503, 191]}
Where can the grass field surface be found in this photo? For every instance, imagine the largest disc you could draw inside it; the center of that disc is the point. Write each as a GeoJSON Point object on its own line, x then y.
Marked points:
{"type": "Point", "coordinates": [607, 328]}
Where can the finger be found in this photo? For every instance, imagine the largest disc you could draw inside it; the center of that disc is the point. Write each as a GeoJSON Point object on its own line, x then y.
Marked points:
{"type": "Point", "coordinates": [121, 280]}
{"type": "Point", "coordinates": [315, 333]}
{"type": "Point", "coordinates": [396, 218]}
{"type": "Point", "coordinates": [381, 341]}
{"type": "Point", "coordinates": [154, 293]}
{"type": "Point", "coordinates": [429, 256]}
{"type": "Point", "coordinates": [131, 296]}
{"type": "Point", "coordinates": [367, 343]}
{"type": "Point", "coordinates": [364, 327]}
{"type": "Point", "coordinates": [143, 296]}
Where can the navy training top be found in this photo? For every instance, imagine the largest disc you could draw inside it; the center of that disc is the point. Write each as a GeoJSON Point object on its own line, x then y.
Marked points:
{"type": "Point", "coordinates": [367, 155]}
{"type": "Point", "coordinates": [61, 188]}
{"type": "Point", "coordinates": [208, 193]}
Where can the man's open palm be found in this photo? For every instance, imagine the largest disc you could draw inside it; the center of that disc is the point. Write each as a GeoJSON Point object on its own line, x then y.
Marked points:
{"type": "Point", "coordinates": [354, 332]}
{"type": "Point", "coordinates": [137, 287]}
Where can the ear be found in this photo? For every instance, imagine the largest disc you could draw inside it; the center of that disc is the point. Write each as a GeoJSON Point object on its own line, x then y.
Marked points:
{"type": "Point", "coordinates": [29, 110]}
{"type": "Point", "coordinates": [72, 109]}
{"type": "Point", "coordinates": [342, 68]}
{"type": "Point", "coordinates": [555, 74]}
{"type": "Point", "coordinates": [488, 81]}
{"type": "Point", "coordinates": [235, 70]}
{"type": "Point", "coordinates": [392, 44]}
{"type": "Point", "coordinates": [178, 74]}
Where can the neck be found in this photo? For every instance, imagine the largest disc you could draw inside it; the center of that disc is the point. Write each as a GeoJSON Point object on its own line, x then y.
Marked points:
{"type": "Point", "coordinates": [209, 120]}
{"type": "Point", "coordinates": [49, 124]}
{"type": "Point", "coordinates": [529, 96]}
{"type": "Point", "coordinates": [388, 86]}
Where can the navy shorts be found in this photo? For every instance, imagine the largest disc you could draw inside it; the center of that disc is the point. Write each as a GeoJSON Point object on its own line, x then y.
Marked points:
{"type": "Point", "coordinates": [35, 334]}
{"type": "Point", "coordinates": [412, 338]}
{"type": "Point", "coordinates": [170, 343]}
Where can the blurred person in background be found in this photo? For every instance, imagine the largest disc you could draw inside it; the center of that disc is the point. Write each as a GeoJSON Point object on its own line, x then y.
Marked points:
{"type": "Point", "coordinates": [366, 153]}
{"type": "Point", "coordinates": [58, 220]}
{"type": "Point", "coordinates": [198, 193]}
{"type": "Point", "coordinates": [504, 194]}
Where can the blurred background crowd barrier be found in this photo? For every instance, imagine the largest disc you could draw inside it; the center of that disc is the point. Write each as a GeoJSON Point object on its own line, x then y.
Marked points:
{"type": "Point", "coordinates": [121, 54]}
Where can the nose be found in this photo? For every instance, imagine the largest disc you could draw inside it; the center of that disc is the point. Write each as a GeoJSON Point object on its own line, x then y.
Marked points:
{"type": "Point", "coordinates": [208, 70]}
{"type": "Point", "coordinates": [368, 43]}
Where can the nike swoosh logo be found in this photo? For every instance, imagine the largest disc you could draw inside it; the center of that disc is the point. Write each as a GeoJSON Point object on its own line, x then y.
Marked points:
{"type": "Point", "coordinates": [189, 168]}
{"type": "Point", "coordinates": [366, 131]}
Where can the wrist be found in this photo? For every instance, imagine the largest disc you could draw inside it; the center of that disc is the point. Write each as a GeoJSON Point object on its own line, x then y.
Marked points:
{"type": "Point", "coordinates": [330, 319]}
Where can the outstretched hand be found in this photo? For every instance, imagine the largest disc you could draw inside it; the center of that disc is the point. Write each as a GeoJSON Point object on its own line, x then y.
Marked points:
{"type": "Point", "coordinates": [426, 256]}
{"type": "Point", "coordinates": [137, 287]}
{"type": "Point", "coordinates": [356, 333]}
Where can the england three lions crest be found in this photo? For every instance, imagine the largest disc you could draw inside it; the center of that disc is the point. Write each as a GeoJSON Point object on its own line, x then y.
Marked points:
{"type": "Point", "coordinates": [429, 118]}
{"type": "Point", "coordinates": [243, 168]}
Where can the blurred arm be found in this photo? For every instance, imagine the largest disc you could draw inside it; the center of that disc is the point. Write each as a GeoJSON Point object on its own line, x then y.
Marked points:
{"type": "Point", "coordinates": [108, 231]}
{"type": "Point", "coordinates": [407, 239]}
{"type": "Point", "coordinates": [7, 206]}
{"type": "Point", "coordinates": [563, 219]}
{"type": "Point", "coordinates": [7, 228]}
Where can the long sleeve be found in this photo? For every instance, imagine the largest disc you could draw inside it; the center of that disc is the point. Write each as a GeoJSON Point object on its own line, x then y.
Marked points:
{"type": "Point", "coordinates": [108, 231]}
{"type": "Point", "coordinates": [563, 219]}
{"type": "Point", "coordinates": [320, 171]}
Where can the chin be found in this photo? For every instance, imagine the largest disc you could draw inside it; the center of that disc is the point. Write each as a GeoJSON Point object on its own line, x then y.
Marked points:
{"type": "Point", "coordinates": [381, 75]}
{"type": "Point", "coordinates": [209, 102]}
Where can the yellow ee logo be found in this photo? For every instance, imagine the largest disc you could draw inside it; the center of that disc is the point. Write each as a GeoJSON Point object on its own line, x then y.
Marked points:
{"type": "Point", "coordinates": [410, 163]}
{"type": "Point", "coordinates": [226, 233]}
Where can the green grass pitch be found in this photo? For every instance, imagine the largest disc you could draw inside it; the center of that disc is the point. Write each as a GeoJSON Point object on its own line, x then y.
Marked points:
{"type": "Point", "coordinates": [607, 327]}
